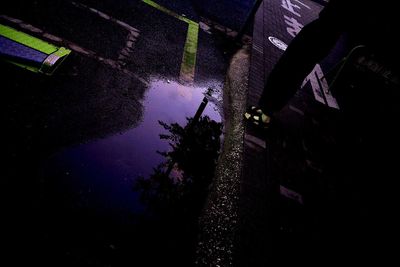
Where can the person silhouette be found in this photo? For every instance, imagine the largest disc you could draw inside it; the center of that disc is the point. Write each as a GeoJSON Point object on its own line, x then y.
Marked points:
{"type": "Point", "coordinates": [364, 22]}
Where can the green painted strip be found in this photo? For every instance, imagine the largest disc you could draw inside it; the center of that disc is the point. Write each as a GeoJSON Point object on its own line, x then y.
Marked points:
{"type": "Point", "coordinates": [62, 51]}
{"type": "Point", "coordinates": [47, 69]}
{"type": "Point", "coordinates": [54, 60]}
{"type": "Point", "coordinates": [27, 40]}
{"type": "Point", "coordinates": [167, 11]}
{"type": "Point", "coordinates": [190, 50]}
{"type": "Point", "coordinates": [31, 68]}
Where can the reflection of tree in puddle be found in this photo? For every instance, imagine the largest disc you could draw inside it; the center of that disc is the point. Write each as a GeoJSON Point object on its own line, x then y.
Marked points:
{"type": "Point", "coordinates": [175, 193]}
{"type": "Point", "coordinates": [189, 167]}
{"type": "Point", "coordinates": [180, 183]}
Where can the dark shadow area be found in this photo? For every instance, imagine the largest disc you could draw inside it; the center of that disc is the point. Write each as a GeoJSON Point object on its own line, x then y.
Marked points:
{"type": "Point", "coordinates": [64, 20]}
{"type": "Point", "coordinates": [83, 101]}
{"type": "Point", "coordinates": [41, 223]}
{"type": "Point", "coordinates": [175, 193]}
{"type": "Point", "coordinates": [321, 2]}
{"type": "Point", "coordinates": [342, 164]}
{"type": "Point", "coordinates": [231, 14]}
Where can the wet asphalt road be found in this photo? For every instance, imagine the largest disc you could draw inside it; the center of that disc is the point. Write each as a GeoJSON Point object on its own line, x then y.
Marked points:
{"type": "Point", "coordinates": [75, 142]}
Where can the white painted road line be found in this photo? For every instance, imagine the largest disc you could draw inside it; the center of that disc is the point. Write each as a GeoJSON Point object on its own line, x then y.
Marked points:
{"type": "Point", "coordinates": [320, 87]}
{"type": "Point", "coordinates": [301, 3]}
{"type": "Point", "coordinates": [291, 194]}
{"type": "Point", "coordinates": [74, 47]}
{"type": "Point", "coordinates": [107, 17]}
{"type": "Point", "coordinates": [255, 140]}
{"type": "Point", "coordinates": [133, 33]}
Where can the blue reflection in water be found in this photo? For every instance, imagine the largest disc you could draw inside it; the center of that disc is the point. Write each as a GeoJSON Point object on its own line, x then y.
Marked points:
{"type": "Point", "coordinates": [99, 175]}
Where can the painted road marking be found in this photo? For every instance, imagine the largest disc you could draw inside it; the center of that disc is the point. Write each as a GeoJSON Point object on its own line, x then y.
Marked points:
{"type": "Point", "coordinates": [133, 33]}
{"type": "Point", "coordinates": [167, 11]}
{"type": "Point", "coordinates": [188, 64]}
{"type": "Point", "coordinates": [301, 3]}
{"type": "Point", "coordinates": [297, 110]}
{"type": "Point", "coordinates": [278, 43]}
{"type": "Point", "coordinates": [320, 87]}
{"type": "Point", "coordinates": [255, 140]}
{"type": "Point", "coordinates": [291, 194]}
{"type": "Point", "coordinates": [207, 24]}
{"type": "Point", "coordinates": [126, 52]}
{"type": "Point", "coordinates": [86, 52]}
{"type": "Point", "coordinates": [205, 27]}
{"type": "Point", "coordinates": [107, 17]}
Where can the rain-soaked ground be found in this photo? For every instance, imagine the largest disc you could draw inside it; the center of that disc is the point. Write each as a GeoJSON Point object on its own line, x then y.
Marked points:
{"type": "Point", "coordinates": [103, 171]}
{"type": "Point", "coordinates": [106, 162]}
{"type": "Point", "coordinates": [120, 202]}
{"type": "Point", "coordinates": [127, 196]}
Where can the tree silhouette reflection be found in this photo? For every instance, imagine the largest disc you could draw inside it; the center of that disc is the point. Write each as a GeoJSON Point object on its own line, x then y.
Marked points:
{"type": "Point", "coordinates": [175, 193]}
{"type": "Point", "coordinates": [180, 183]}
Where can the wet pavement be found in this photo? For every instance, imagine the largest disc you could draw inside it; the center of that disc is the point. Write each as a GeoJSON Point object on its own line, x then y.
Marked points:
{"type": "Point", "coordinates": [106, 164]}
{"type": "Point", "coordinates": [103, 171]}
{"type": "Point", "coordinates": [89, 150]}
{"type": "Point", "coordinates": [232, 14]}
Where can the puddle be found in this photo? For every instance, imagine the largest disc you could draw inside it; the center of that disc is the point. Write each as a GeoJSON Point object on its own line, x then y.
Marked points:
{"type": "Point", "coordinates": [111, 200]}
{"type": "Point", "coordinates": [99, 175]}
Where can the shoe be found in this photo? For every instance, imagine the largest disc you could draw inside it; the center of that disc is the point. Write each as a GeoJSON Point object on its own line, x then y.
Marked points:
{"type": "Point", "coordinates": [257, 117]}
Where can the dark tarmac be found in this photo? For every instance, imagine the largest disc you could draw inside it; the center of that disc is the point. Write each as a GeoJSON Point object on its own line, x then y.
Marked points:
{"type": "Point", "coordinates": [106, 164]}
{"type": "Point", "coordinates": [78, 144]}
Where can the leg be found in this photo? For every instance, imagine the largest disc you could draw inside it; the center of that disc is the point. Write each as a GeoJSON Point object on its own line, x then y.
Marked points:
{"type": "Point", "coordinates": [313, 42]}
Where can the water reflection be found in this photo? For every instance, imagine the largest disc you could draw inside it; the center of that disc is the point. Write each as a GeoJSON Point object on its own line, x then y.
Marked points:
{"type": "Point", "coordinates": [88, 190]}
{"type": "Point", "coordinates": [104, 170]}
{"type": "Point", "coordinates": [175, 192]}
{"type": "Point", "coordinates": [192, 160]}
